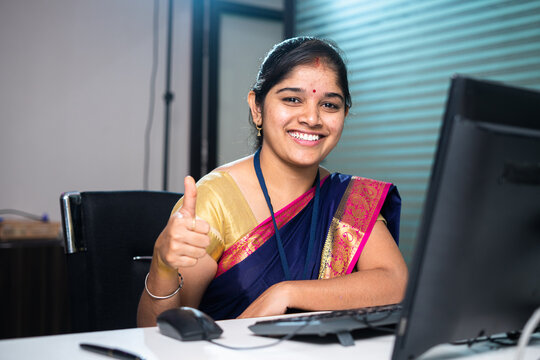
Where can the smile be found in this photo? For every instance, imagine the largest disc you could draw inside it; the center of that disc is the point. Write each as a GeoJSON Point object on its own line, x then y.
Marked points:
{"type": "Point", "coordinates": [303, 136]}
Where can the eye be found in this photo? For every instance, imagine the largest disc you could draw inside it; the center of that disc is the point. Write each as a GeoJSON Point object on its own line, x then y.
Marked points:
{"type": "Point", "coordinates": [331, 106]}
{"type": "Point", "coordinates": [291, 100]}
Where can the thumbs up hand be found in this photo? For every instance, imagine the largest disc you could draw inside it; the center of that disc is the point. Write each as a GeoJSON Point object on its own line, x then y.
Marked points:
{"type": "Point", "coordinates": [185, 238]}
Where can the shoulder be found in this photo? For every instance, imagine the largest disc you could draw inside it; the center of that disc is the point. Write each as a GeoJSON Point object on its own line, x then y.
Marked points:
{"type": "Point", "coordinates": [237, 165]}
{"type": "Point", "coordinates": [242, 173]}
{"type": "Point", "coordinates": [214, 185]}
{"type": "Point", "coordinates": [367, 182]}
{"type": "Point", "coordinates": [226, 181]}
{"type": "Point", "coordinates": [225, 173]}
{"type": "Point", "coordinates": [357, 180]}
{"type": "Point", "coordinates": [209, 190]}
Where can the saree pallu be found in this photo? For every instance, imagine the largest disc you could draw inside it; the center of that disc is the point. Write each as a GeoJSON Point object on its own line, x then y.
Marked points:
{"type": "Point", "coordinates": [349, 207]}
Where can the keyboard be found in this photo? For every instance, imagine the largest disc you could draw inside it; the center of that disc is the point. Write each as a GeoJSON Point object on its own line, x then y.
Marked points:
{"type": "Point", "coordinates": [339, 322]}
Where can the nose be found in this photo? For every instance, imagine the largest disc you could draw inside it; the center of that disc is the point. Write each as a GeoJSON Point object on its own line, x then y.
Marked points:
{"type": "Point", "coordinates": [311, 115]}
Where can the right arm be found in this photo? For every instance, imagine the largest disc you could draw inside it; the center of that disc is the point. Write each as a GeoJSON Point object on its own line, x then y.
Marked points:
{"type": "Point", "coordinates": [180, 248]}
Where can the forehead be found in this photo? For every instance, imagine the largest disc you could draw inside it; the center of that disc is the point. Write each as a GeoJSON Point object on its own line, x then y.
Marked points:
{"type": "Point", "coordinates": [314, 74]}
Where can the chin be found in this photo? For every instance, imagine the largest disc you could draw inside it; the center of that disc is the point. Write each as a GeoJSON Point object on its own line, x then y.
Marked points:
{"type": "Point", "coordinates": [306, 162]}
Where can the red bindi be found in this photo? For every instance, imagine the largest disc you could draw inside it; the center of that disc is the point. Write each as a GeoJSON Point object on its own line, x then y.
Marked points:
{"type": "Point", "coordinates": [314, 90]}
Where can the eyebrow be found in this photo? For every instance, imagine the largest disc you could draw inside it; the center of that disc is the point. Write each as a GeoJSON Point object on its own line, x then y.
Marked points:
{"type": "Point", "coordinates": [299, 90]}
{"type": "Point", "coordinates": [290, 89]}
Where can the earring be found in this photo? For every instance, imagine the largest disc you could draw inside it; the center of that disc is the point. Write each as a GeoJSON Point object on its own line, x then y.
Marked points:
{"type": "Point", "coordinates": [259, 128]}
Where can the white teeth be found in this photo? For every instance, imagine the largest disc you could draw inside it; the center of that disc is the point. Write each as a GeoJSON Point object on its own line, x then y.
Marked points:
{"type": "Point", "coordinates": [302, 136]}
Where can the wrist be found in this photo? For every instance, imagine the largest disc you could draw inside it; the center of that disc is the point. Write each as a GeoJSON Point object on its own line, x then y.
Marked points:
{"type": "Point", "coordinates": [300, 296]}
{"type": "Point", "coordinates": [287, 292]}
{"type": "Point", "coordinates": [162, 281]}
{"type": "Point", "coordinates": [164, 297]}
{"type": "Point", "coordinates": [162, 268]}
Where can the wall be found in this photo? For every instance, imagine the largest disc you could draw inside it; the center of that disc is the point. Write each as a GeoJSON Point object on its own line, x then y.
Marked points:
{"type": "Point", "coordinates": [74, 98]}
{"type": "Point", "coordinates": [237, 74]}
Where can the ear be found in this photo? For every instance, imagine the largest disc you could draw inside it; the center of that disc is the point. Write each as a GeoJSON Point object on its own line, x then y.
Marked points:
{"type": "Point", "coordinates": [254, 107]}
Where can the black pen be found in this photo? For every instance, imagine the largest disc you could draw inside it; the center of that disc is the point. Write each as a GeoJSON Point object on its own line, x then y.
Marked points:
{"type": "Point", "coordinates": [114, 353]}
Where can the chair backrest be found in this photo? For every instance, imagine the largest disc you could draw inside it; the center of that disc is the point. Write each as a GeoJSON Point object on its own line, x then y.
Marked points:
{"type": "Point", "coordinates": [109, 239]}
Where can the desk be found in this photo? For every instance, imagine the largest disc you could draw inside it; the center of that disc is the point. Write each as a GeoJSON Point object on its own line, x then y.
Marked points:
{"type": "Point", "coordinates": [149, 343]}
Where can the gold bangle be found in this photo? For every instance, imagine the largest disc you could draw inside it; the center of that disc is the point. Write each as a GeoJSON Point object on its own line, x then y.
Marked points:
{"type": "Point", "coordinates": [163, 297]}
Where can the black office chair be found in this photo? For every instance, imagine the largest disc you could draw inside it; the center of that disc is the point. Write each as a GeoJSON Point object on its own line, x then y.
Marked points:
{"type": "Point", "coordinates": [109, 239]}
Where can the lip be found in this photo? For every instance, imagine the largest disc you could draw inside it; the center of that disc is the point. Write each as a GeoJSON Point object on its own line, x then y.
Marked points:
{"type": "Point", "coordinates": [305, 138]}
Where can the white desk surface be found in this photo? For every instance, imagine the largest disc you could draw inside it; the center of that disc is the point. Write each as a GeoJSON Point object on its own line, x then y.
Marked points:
{"type": "Point", "coordinates": [150, 344]}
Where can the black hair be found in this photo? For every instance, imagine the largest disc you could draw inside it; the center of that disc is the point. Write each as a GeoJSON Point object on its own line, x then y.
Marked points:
{"type": "Point", "coordinates": [288, 54]}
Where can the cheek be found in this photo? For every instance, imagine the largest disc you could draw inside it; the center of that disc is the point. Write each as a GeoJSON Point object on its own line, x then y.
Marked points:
{"type": "Point", "coordinates": [337, 126]}
{"type": "Point", "coordinates": [276, 116]}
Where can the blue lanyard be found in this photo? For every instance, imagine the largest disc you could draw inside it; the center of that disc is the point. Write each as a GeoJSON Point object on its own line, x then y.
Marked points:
{"type": "Point", "coordinates": [312, 227]}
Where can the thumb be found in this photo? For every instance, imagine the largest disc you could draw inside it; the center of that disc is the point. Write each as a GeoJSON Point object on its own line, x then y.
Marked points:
{"type": "Point", "coordinates": [190, 196]}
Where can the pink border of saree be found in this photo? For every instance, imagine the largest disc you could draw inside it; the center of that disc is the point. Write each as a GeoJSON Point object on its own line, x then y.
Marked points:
{"type": "Point", "coordinates": [352, 225]}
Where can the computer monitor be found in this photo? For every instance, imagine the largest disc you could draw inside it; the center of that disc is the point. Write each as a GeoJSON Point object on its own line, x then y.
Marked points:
{"type": "Point", "coordinates": [476, 268]}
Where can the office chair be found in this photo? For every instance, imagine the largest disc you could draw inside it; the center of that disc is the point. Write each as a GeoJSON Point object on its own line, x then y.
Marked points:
{"type": "Point", "coordinates": [109, 239]}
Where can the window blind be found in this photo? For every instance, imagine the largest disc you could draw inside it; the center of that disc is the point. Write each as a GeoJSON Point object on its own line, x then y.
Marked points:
{"type": "Point", "coordinates": [401, 55]}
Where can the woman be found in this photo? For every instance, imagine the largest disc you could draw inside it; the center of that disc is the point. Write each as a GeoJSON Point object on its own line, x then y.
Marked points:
{"type": "Point", "coordinates": [222, 235]}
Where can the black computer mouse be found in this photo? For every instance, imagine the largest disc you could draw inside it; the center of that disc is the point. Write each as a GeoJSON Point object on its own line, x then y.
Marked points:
{"type": "Point", "coordinates": [186, 324]}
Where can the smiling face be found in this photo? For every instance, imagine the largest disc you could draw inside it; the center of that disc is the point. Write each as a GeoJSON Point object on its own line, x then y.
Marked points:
{"type": "Point", "coordinates": [302, 116]}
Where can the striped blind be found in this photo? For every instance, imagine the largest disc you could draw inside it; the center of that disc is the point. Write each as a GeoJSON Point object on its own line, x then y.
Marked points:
{"type": "Point", "coordinates": [401, 55]}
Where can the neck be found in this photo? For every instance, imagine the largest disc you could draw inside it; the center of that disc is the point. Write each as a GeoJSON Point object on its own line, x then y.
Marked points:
{"type": "Point", "coordinates": [286, 180]}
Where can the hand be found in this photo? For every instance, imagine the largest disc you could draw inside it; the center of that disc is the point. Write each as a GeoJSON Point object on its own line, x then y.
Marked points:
{"type": "Point", "coordinates": [274, 301]}
{"type": "Point", "coordinates": [184, 240]}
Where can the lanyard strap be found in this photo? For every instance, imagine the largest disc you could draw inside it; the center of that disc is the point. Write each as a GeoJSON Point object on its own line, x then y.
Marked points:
{"type": "Point", "coordinates": [312, 228]}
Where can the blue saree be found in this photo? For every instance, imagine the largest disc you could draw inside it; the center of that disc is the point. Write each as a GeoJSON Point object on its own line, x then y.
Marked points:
{"type": "Point", "coordinates": [349, 207]}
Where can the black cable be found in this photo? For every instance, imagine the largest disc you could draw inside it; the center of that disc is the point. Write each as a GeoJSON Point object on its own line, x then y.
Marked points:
{"type": "Point", "coordinates": [152, 101]}
{"type": "Point", "coordinates": [503, 341]}
{"type": "Point", "coordinates": [508, 339]}
{"type": "Point", "coordinates": [168, 96]}
{"type": "Point", "coordinates": [286, 337]}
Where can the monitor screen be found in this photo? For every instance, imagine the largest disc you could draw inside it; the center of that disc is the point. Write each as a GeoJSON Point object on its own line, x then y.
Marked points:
{"type": "Point", "coordinates": [476, 268]}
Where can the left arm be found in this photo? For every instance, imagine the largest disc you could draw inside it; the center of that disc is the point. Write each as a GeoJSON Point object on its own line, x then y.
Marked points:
{"type": "Point", "coordinates": [380, 279]}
